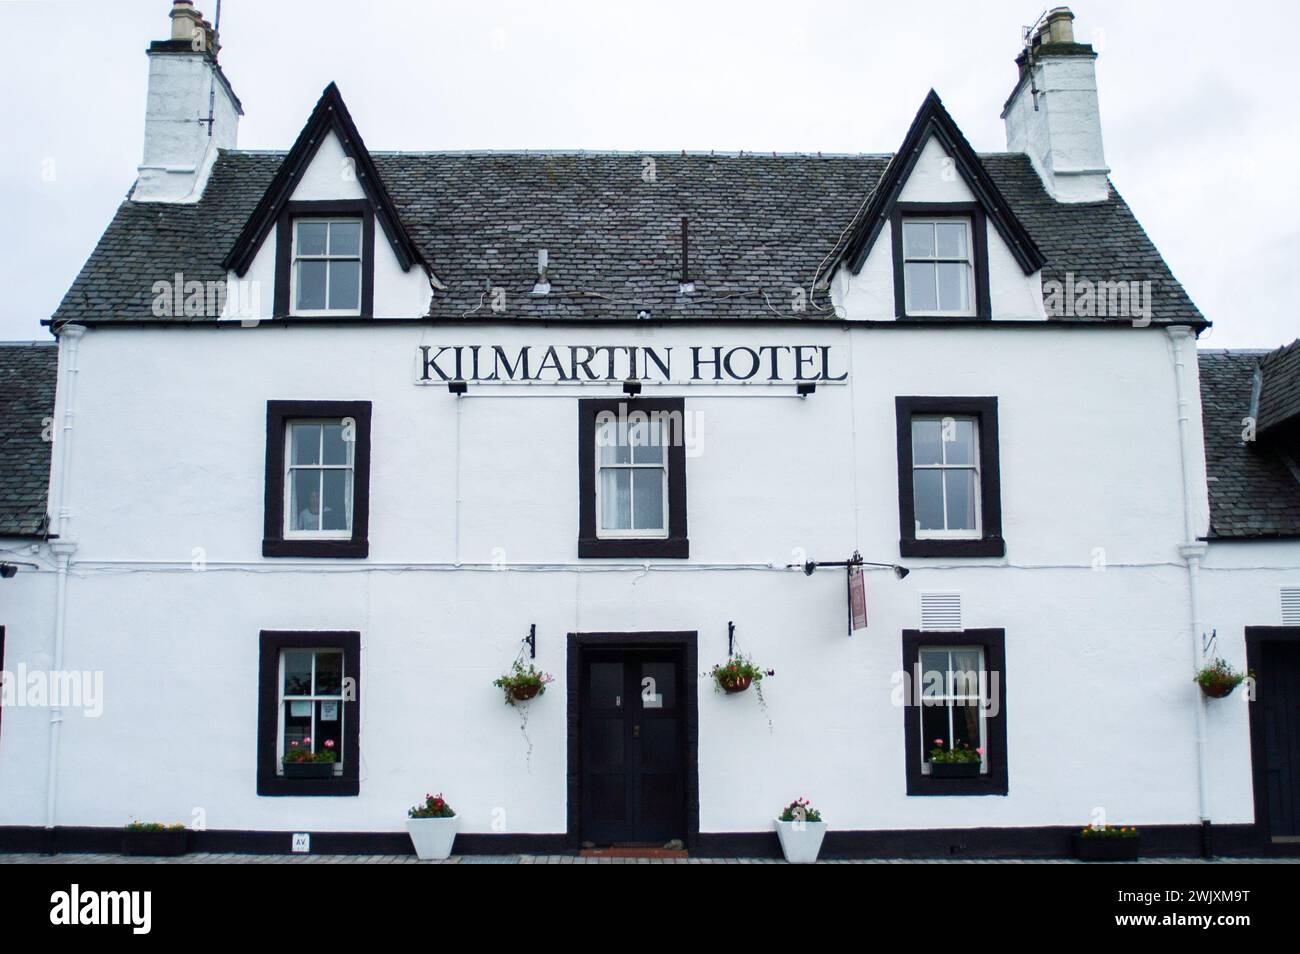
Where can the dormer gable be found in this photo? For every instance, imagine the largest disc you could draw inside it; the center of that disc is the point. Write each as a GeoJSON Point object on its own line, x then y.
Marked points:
{"type": "Point", "coordinates": [934, 124]}
{"type": "Point", "coordinates": [329, 178]}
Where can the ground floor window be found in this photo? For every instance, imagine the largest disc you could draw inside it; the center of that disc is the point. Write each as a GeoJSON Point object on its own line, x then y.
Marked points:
{"type": "Point", "coordinates": [308, 710]}
{"type": "Point", "coordinates": [955, 728]}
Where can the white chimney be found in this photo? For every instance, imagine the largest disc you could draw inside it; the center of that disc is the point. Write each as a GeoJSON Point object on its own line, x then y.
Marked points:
{"type": "Point", "coordinates": [1052, 114]}
{"type": "Point", "coordinates": [192, 111]}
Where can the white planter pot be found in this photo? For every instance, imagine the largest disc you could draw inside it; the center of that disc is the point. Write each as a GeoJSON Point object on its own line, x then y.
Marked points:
{"type": "Point", "coordinates": [800, 841]}
{"type": "Point", "coordinates": [432, 837]}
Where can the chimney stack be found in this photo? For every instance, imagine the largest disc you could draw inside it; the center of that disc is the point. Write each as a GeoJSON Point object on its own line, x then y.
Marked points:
{"type": "Point", "coordinates": [191, 113]}
{"type": "Point", "coordinates": [1052, 114]}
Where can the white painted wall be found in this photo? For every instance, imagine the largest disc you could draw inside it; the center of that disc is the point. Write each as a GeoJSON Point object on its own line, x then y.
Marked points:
{"type": "Point", "coordinates": [869, 295]}
{"type": "Point", "coordinates": [170, 457]}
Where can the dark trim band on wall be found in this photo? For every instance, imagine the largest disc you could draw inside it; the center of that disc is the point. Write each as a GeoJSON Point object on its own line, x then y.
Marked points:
{"type": "Point", "coordinates": [687, 642]}
{"type": "Point", "coordinates": [1256, 637]}
{"type": "Point", "coordinates": [271, 644]}
{"type": "Point", "coordinates": [990, 542]}
{"type": "Point", "coordinates": [971, 211]}
{"type": "Point", "coordinates": [992, 782]}
{"type": "Point", "coordinates": [590, 544]}
{"type": "Point", "coordinates": [354, 208]}
{"type": "Point", "coordinates": [274, 543]}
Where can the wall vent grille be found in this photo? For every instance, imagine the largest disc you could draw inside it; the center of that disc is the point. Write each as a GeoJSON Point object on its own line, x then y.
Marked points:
{"type": "Point", "coordinates": [941, 611]}
{"type": "Point", "coordinates": [1291, 606]}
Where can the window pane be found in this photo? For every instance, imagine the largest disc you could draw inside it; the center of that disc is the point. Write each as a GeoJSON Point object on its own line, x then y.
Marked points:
{"type": "Point", "coordinates": [606, 688]}
{"type": "Point", "coordinates": [961, 499]}
{"type": "Point", "coordinates": [934, 672]}
{"type": "Point", "coordinates": [927, 496]}
{"type": "Point", "coordinates": [920, 287]}
{"type": "Point", "coordinates": [648, 507]}
{"type": "Point", "coordinates": [959, 443]}
{"type": "Point", "coordinates": [306, 444]}
{"type": "Point", "coordinates": [297, 723]}
{"type": "Point", "coordinates": [953, 286]}
{"type": "Point", "coordinates": [345, 285]}
{"type": "Point", "coordinates": [952, 239]}
{"type": "Point", "coordinates": [345, 238]}
{"type": "Point", "coordinates": [329, 673]}
{"type": "Point", "coordinates": [646, 439]}
{"type": "Point", "coordinates": [329, 729]}
{"type": "Point", "coordinates": [311, 238]}
{"type": "Point", "coordinates": [615, 499]}
{"type": "Point", "coordinates": [304, 494]}
{"type": "Point", "coordinates": [966, 672]}
{"type": "Point", "coordinates": [934, 725]}
{"type": "Point", "coordinates": [338, 500]}
{"type": "Point", "coordinates": [918, 239]}
{"type": "Point", "coordinates": [927, 447]}
{"type": "Point", "coordinates": [336, 448]}
{"type": "Point", "coordinates": [611, 438]}
{"type": "Point", "coordinates": [311, 284]}
{"type": "Point", "coordinates": [297, 672]}
{"type": "Point", "coordinates": [661, 691]}
{"type": "Point", "coordinates": [966, 724]}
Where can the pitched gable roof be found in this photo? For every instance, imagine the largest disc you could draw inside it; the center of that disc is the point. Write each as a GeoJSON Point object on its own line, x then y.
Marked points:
{"type": "Point", "coordinates": [1254, 492]}
{"type": "Point", "coordinates": [27, 375]}
{"type": "Point", "coordinates": [1279, 389]}
{"type": "Point", "coordinates": [934, 121]}
{"type": "Point", "coordinates": [614, 249]}
{"type": "Point", "coordinates": [329, 115]}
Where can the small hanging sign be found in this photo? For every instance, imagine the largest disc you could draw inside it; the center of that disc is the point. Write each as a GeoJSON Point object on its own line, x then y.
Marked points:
{"type": "Point", "coordinates": [857, 599]}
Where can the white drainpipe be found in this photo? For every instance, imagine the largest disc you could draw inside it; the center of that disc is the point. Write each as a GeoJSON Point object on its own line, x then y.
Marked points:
{"type": "Point", "coordinates": [1192, 550]}
{"type": "Point", "coordinates": [63, 547]}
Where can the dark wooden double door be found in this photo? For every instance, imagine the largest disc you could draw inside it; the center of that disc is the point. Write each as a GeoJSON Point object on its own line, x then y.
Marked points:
{"type": "Point", "coordinates": [633, 761]}
{"type": "Point", "coordinates": [1278, 708]}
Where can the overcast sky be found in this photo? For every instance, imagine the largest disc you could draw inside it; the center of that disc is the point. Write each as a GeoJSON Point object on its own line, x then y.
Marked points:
{"type": "Point", "coordinates": [1200, 129]}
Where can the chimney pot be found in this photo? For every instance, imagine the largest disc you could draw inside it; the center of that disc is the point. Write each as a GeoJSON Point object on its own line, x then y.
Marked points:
{"type": "Point", "coordinates": [1058, 27]}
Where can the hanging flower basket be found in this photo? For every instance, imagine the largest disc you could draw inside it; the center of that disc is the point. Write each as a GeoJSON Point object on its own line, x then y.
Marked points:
{"type": "Point", "coordinates": [522, 682]}
{"type": "Point", "coordinates": [1218, 679]}
{"type": "Point", "coordinates": [737, 674]}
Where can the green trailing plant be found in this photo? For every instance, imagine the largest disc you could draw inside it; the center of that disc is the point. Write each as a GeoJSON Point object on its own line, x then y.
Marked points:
{"type": "Point", "coordinates": [153, 826]}
{"type": "Point", "coordinates": [1109, 831]}
{"type": "Point", "coordinates": [800, 810]}
{"type": "Point", "coordinates": [1218, 678]}
{"type": "Point", "coordinates": [959, 753]}
{"type": "Point", "coordinates": [736, 672]}
{"type": "Point", "coordinates": [301, 752]}
{"type": "Point", "coordinates": [435, 806]}
{"type": "Point", "coordinates": [523, 682]}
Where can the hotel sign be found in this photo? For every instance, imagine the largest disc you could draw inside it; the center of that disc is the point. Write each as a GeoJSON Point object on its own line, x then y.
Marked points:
{"type": "Point", "coordinates": [560, 364]}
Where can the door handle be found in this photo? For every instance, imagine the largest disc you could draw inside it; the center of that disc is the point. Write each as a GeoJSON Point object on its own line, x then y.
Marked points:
{"type": "Point", "coordinates": [636, 730]}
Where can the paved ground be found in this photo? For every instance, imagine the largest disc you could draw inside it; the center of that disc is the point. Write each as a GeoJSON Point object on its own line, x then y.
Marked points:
{"type": "Point", "coordinates": [193, 859]}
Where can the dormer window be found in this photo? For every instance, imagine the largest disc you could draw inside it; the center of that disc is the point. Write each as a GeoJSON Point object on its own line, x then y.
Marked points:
{"type": "Point", "coordinates": [327, 265]}
{"type": "Point", "coordinates": [938, 266]}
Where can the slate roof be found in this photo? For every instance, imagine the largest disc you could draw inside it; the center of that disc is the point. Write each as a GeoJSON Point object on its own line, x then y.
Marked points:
{"type": "Point", "coordinates": [1253, 493]}
{"type": "Point", "coordinates": [27, 376]}
{"type": "Point", "coordinates": [1279, 396]}
{"type": "Point", "coordinates": [760, 226]}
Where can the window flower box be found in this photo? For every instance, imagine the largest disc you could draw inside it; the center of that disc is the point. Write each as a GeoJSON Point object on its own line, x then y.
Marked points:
{"type": "Point", "coordinates": [960, 761]}
{"type": "Point", "coordinates": [155, 840]}
{"type": "Point", "coordinates": [1107, 844]}
{"type": "Point", "coordinates": [301, 762]}
{"type": "Point", "coordinates": [954, 769]}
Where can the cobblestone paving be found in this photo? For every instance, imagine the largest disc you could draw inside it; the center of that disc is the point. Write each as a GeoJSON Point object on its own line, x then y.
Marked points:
{"type": "Point", "coordinates": [200, 859]}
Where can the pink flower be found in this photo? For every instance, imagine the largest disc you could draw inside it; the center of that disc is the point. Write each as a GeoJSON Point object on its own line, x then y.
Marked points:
{"type": "Point", "coordinates": [293, 745]}
{"type": "Point", "coordinates": [980, 751]}
{"type": "Point", "coordinates": [329, 743]}
{"type": "Point", "coordinates": [938, 741]}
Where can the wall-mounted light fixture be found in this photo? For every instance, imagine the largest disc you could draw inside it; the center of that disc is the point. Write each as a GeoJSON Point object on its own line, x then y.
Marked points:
{"type": "Point", "coordinates": [805, 388]}
{"type": "Point", "coordinates": [457, 386]}
{"type": "Point", "coordinates": [632, 387]}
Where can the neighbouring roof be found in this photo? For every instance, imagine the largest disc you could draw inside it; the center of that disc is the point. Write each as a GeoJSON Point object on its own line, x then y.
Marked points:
{"type": "Point", "coordinates": [27, 376]}
{"type": "Point", "coordinates": [1279, 393]}
{"type": "Point", "coordinates": [760, 226]}
{"type": "Point", "coordinates": [1254, 491]}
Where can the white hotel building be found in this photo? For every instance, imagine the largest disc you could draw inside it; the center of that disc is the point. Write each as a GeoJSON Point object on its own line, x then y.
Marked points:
{"type": "Point", "coordinates": [334, 501]}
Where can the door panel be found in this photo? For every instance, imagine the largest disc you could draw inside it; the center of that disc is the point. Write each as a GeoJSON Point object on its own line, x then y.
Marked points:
{"type": "Point", "coordinates": [1279, 702]}
{"type": "Point", "coordinates": [633, 778]}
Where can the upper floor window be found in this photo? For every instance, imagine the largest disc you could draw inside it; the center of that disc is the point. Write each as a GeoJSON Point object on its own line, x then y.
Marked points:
{"type": "Point", "coordinates": [632, 478]}
{"type": "Point", "coordinates": [327, 266]}
{"type": "Point", "coordinates": [938, 266]}
{"type": "Point", "coordinates": [946, 476]}
{"type": "Point", "coordinates": [949, 477]}
{"type": "Point", "coordinates": [317, 479]}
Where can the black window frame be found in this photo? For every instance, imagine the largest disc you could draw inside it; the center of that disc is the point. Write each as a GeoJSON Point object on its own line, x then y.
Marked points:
{"type": "Point", "coordinates": [990, 542]}
{"type": "Point", "coordinates": [676, 545]}
{"type": "Point", "coordinates": [271, 644]}
{"type": "Point", "coordinates": [333, 208]}
{"type": "Point", "coordinates": [972, 212]}
{"type": "Point", "coordinates": [274, 543]}
{"type": "Point", "coordinates": [992, 782]}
